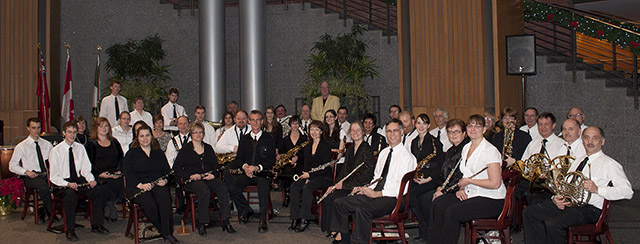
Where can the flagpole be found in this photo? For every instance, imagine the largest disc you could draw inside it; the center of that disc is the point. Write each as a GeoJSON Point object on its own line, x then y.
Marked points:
{"type": "Point", "coordinates": [96, 88]}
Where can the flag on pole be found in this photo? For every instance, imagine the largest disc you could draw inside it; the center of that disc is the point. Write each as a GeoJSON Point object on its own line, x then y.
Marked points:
{"type": "Point", "coordinates": [43, 94]}
{"type": "Point", "coordinates": [67, 99]}
{"type": "Point", "coordinates": [96, 87]}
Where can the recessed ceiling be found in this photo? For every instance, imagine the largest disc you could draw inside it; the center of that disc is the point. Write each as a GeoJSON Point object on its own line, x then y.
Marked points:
{"type": "Point", "coordinates": [625, 9]}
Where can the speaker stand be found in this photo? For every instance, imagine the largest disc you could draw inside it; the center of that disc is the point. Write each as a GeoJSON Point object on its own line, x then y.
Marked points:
{"type": "Point", "coordinates": [524, 95]}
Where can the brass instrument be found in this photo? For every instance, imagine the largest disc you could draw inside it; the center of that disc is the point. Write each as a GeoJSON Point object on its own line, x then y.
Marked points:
{"type": "Point", "coordinates": [286, 157]}
{"type": "Point", "coordinates": [316, 169]}
{"type": "Point", "coordinates": [342, 180]}
{"type": "Point", "coordinates": [224, 158]}
{"type": "Point", "coordinates": [473, 175]}
{"type": "Point", "coordinates": [570, 185]}
{"type": "Point", "coordinates": [367, 185]}
{"type": "Point", "coordinates": [261, 173]}
{"type": "Point", "coordinates": [204, 175]}
{"type": "Point", "coordinates": [153, 184]}
{"type": "Point", "coordinates": [424, 162]}
{"type": "Point", "coordinates": [507, 146]}
{"type": "Point", "coordinates": [532, 167]}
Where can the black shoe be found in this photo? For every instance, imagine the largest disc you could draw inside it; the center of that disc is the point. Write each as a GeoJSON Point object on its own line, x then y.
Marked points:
{"type": "Point", "coordinates": [228, 228]}
{"type": "Point", "coordinates": [332, 235]}
{"type": "Point", "coordinates": [202, 230]}
{"type": "Point", "coordinates": [244, 218]}
{"type": "Point", "coordinates": [303, 226]}
{"type": "Point", "coordinates": [42, 215]}
{"type": "Point", "coordinates": [99, 229]}
{"type": "Point", "coordinates": [172, 239]}
{"type": "Point", "coordinates": [294, 224]}
{"type": "Point", "coordinates": [71, 235]}
{"type": "Point", "coordinates": [262, 228]}
{"type": "Point", "coordinates": [287, 199]}
{"type": "Point", "coordinates": [336, 242]}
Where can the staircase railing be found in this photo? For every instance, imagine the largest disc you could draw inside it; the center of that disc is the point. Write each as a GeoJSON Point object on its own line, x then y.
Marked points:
{"type": "Point", "coordinates": [564, 31]}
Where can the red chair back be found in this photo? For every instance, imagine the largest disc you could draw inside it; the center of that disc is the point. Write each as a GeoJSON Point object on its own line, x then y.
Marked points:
{"type": "Point", "coordinates": [601, 225]}
{"type": "Point", "coordinates": [400, 212]}
{"type": "Point", "coordinates": [510, 202]}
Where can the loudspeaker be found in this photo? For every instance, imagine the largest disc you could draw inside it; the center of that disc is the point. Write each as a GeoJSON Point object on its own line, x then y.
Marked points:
{"type": "Point", "coordinates": [521, 55]}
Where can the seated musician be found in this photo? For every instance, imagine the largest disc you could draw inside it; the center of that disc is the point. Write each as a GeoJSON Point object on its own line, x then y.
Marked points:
{"type": "Point", "coordinates": [380, 198]}
{"type": "Point", "coordinates": [295, 138]}
{"type": "Point", "coordinates": [508, 121]}
{"type": "Point", "coordinates": [106, 157]}
{"type": "Point", "coordinates": [316, 153]}
{"type": "Point", "coordinates": [30, 159]}
{"type": "Point", "coordinates": [70, 167]}
{"type": "Point", "coordinates": [457, 135]}
{"type": "Point", "coordinates": [144, 167]}
{"type": "Point", "coordinates": [256, 152]}
{"type": "Point", "coordinates": [481, 193]}
{"type": "Point", "coordinates": [229, 141]}
{"type": "Point", "coordinates": [371, 136]}
{"type": "Point", "coordinates": [331, 130]}
{"type": "Point", "coordinates": [546, 222]}
{"type": "Point", "coordinates": [571, 133]}
{"type": "Point", "coordinates": [356, 154]}
{"type": "Point", "coordinates": [197, 162]}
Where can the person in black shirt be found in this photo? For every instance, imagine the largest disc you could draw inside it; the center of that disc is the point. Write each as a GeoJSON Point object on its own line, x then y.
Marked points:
{"type": "Point", "coordinates": [272, 126]}
{"type": "Point", "coordinates": [371, 136]}
{"type": "Point", "coordinates": [331, 130]}
{"type": "Point", "coordinates": [195, 162]}
{"type": "Point", "coordinates": [105, 154]}
{"type": "Point", "coordinates": [295, 138]}
{"type": "Point", "coordinates": [521, 139]}
{"type": "Point", "coordinates": [143, 164]}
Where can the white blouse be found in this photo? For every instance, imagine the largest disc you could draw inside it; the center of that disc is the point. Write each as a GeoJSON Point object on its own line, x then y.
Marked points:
{"type": "Point", "coordinates": [484, 154]}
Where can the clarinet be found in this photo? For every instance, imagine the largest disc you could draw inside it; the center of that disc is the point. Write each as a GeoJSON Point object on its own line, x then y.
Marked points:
{"type": "Point", "coordinates": [82, 185]}
{"type": "Point", "coordinates": [38, 174]}
{"type": "Point", "coordinates": [343, 179]}
{"type": "Point", "coordinates": [204, 175]}
{"type": "Point", "coordinates": [367, 185]}
{"type": "Point", "coordinates": [316, 169]}
{"type": "Point", "coordinates": [153, 184]}
{"type": "Point", "coordinates": [261, 173]}
{"type": "Point", "coordinates": [473, 175]}
{"type": "Point", "coordinates": [115, 174]}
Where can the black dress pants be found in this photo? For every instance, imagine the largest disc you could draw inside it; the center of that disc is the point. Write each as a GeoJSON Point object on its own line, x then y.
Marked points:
{"type": "Point", "coordinates": [302, 210]}
{"type": "Point", "coordinates": [423, 212]}
{"type": "Point", "coordinates": [328, 208]}
{"type": "Point", "coordinates": [264, 189]}
{"type": "Point", "coordinates": [545, 223]}
{"type": "Point", "coordinates": [156, 205]}
{"type": "Point", "coordinates": [41, 186]}
{"type": "Point", "coordinates": [363, 209]}
{"type": "Point", "coordinates": [203, 189]}
{"type": "Point", "coordinates": [70, 201]}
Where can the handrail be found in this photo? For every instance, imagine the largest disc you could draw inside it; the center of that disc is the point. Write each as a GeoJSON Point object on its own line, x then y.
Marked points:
{"type": "Point", "coordinates": [597, 16]}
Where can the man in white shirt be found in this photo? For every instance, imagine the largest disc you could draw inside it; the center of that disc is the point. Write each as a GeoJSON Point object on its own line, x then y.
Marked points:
{"type": "Point", "coordinates": [343, 113]}
{"type": "Point", "coordinates": [30, 159]}
{"type": "Point", "coordinates": [283, 119]}
{"type": "Point", "coordinates": [530, 119]}
{"type": "Point", "coordinates": [229, 140]}
{"type": "Point", "coordinates": [380, 198]}
{"type": "Point", "coordinates": [172, 111]}
{"type": "Point", "coordinates": [209, 132]}
{"type": "Point", "coordinates": [571, 134]}
{"type": "Point", "coordinates": [178, 141]}
{"type": "Point", "coordinates": [605, 179]}
{"type": "Point", "coordinates": [548, 143]}
{"type": "Point", "coordinates": [305, 117]}
{"type": "Point", "coordinates": [139, 114]}
{"type": "Point", "coordinates": [577, 114]}
{"type": "Point", "coordinates": [114, 104]}
{"type": "Point", "coordinates": [394, 113]}
{"type": "Point", "coordinates": [441, 116]}
{"type": "Point", "coordinates": [70, 175]}
{"type": "Point", "coordinates": [409, 131]}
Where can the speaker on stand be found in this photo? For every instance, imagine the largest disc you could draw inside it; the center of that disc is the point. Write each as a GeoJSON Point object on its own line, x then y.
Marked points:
{"type": "Point", "coordinates": [521, 59]}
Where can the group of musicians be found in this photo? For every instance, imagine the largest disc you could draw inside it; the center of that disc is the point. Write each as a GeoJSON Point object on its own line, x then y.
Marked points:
{"type": "Point", "coordinates": [458, 167]}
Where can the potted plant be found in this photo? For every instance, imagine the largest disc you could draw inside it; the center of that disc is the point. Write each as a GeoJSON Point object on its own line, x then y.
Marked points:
{"type": "Point", "coordinates": [10, 191]}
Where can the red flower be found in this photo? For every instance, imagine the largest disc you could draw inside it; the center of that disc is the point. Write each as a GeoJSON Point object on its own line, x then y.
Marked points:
{"type": "Point", "coordinates": [634, 44]}
{"type": "Point", "coordinates": [550, 17]}
{"type": "Point", "coordinates": [574, 24]}
{"type": "Point", "coordinates": [600, 33]}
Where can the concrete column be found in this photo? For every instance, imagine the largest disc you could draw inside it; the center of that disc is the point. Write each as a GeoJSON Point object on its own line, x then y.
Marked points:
{"type": "Point", "coordinates": [212, 58]}
{"type": "Point", "coordinates": [252, 54]}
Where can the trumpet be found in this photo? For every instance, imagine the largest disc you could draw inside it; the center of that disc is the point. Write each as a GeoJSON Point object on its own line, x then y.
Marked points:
{"type": "Point", "coordinates": [286, 157]}
{"type": "Point", "coordinates": [367, 185]}
{"type": "Point", "coordinates": [343, 179]}
{"type": "Point", "coordinates": [204, 175]}
{"type": "Point", "coordinates": [424, 162]}
{"type": "Point", "coordinates": [224, 158]}
{"type": "Point", "coordinates": [153, 184]}
{"type": "Point", "coordinates": [316, 169]}
{"type": "Point", "coordinates": [261, 173]}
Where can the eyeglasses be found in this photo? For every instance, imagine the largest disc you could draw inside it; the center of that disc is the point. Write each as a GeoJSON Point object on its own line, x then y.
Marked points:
{"type": "Point", "coordinates": [572, 116]}
{"type": "Point", "coordinates": [393, 131]}
{"type": "Point", "coordinates": [197, 132]}
{"type": "Point", "coordinates": [454, 132]}
{"type": "Point", "coordinates": [474, 126]}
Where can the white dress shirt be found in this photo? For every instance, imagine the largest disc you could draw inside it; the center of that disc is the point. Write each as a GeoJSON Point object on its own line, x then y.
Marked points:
{"type": "Point", "coordinates": [25, 152]}
{"type": "Point", "coordinates": [59, 163]}
{"type": "Point", "coordinates": [444, 139]}
{"type": "Point", "coordinates": [174, 146]}
{"type": "Point", "coordinates": [533, 131]}
{"type": "Point", "coordinates": [402, 161]}
{"type": "Point", "coordinates": [382, 131]}
{"type": "Point", "coordinates": [344, 131]}
{"type": "Point", "coordinates": [210, 135]}
{"type": "Point", "coordinates": [108, 108]}
{"type": "Point", "coordinates": [576, 149]}
{"type": "Point", "coordinates": [220, 131]}
{"type": "Point", "coordinates": [304, 125]}
{"type": "Point", "coordinates": [145, 116]}
{"type": "Point", "coordinates": [231, 139]}
{"type": "Point", "coordinates": [167, 113]}
{"type": "Point", "coordinates": [555, 147]}
{"type": "Point", "coordinates": [482, 156]}
{"type": "Point", "coordinates": [608, 175]}
{"type": "Point", "coordinates": [408, 138]}
{"type": "Point", "coordinates": [124, 138]}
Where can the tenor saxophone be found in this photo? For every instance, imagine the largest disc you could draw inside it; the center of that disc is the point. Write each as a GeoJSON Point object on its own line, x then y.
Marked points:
{"type": "Point", "coordinates": [424, 162]}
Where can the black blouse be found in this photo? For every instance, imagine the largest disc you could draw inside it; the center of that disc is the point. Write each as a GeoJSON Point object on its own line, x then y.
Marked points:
{"type": "Point", "coordinates": [189, 162]}
{"type": "Point", "coordinates": [104, 159]}
{"type": "Point", "coordinates": [277, 135]}
{"type": "Point", "coordinates": [433, 167]}
{"type": "Point", "coordinates": [453, 156]}
{"type": "Point", "coordinates": [287, 145]}
{"type": "Point", "coordinates": [322, 156]}
{"type": "Point", "coordinates": [352, 159]}
{"type": "Point", "coordinates": [138, 168]}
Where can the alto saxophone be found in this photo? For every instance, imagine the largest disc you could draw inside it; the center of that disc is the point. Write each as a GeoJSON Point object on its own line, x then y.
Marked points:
{"type": "Point", "coordinates": [224, 158]}
{"type": "Point", "coordinates": [286, 157]}
{"type": "Point", "coordinates": [424, 162]}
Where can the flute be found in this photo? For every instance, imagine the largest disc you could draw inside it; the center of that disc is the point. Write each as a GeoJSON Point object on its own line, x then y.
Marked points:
{"type": "Point", "coordinates": [204, 175]}
{"type": "Point", "coordinates": [446, 181]}
{"type": "Point", "coordinates": [316, 169]}
{"type": "Point", "coordinates": [153, 184]}
{"type": "Point", "coordinates": [367, 185]}
{"type": "Point", "coordinates": [473, 175]}
{"type": "Point", "coordinates": [343, 179]}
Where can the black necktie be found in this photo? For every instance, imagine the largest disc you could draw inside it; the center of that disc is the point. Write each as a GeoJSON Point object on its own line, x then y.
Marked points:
{"type": "Point", "coordinates": [404, 138]}
{"type": "Point", "coordinates": [367, 138]}
{"type": "Point", "coordinates": [582, 164]}
{"type": "Point", "coordinates": [184, 140]}
{"type": "Point", "coordinates": [253, 145]}
{"type": "Point", "coordinates": [544, 146]}
{"type": "Point", "coordinates": [438, 137]}
{"type": "Point", "coordinates": [566, 160]}
{"type": "Point", "coordinates": [43, 168]}
{"type": "Point", "coordinates": [175, 115]}
{"type": "Point", "coordinates": [385, 171]}
{"type": "Point", "coordinates": [117, 108]}
{"type": "Point", "coordinates": [72, 167]}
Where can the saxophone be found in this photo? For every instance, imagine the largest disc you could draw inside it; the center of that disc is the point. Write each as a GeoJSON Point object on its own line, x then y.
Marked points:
{"type": "Point", "coordinates": [424, 162]}
{"type": "Point", "coordinates": [224, 158]}
{"type": "Point", "coordinates": [507, 148]}
{"type": "Point", "coordinates": [286, 157]}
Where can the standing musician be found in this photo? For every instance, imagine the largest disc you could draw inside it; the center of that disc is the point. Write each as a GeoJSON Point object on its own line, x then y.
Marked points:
{"type": "Point", "coordinates": [200, 113]}
{"type": "Point", "coordinates": [230, 140]}
{"type": "Point", "coordinates": [546, 222]}
{"type": "Point", "coordinates": [457, 135]}
{"type": "Point", "coordinates": [256, 152]}
{"type": "Point", "coordinates": [316, 153]}
{"type": "Point", "coordinates": [520, 140]}
{"type": "Point", "coordinates": [106, 157]}
{"type": "Point", "coordinates": [272, 126]}
{"type": "Point", "coordinates": [479, 197]}
{"type": "Point", "coordinates": [380, 198]}
{"type": "Point", "coordinates": [196, 159]}
{"type": "Point", "coordinates": [355, 155]}
{"type": "Point", "coordinates": [295, 138]}
{"type": "Point", "coordinates": [143, 164]}
{"type": "Point", "coordinates": [331, 130]}
{"type": "Point", "coordinates": [30, 157]}
{"type": "Point", "coordinates": [70, 166]}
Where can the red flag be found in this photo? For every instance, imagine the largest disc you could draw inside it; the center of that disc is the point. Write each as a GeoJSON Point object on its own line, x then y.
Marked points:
{"type": "Point", "coordinates": [67, 99]}
{"type": "Point", "coordinates": [43, 95]}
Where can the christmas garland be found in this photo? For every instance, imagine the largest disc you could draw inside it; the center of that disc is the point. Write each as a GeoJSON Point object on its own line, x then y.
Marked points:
{"type": "Point", "coordinates": [537, 11]}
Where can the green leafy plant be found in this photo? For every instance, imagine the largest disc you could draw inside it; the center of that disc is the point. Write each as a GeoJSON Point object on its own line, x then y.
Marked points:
{"type": "Point", "coordinates": [343, 63]}
{"type": "Point", "coordinates": [137, 65]}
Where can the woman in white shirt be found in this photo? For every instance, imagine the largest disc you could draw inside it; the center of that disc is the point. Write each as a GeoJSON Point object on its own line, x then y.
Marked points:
{"type": "Point", "coordinates": [123, 131]}
{"type": "Point", "coordinates": [479, 197]}
{"type": "Point", "coordinates": [227, 123]}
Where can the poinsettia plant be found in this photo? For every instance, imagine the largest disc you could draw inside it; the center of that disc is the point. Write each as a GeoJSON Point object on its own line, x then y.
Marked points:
{"type": "Point", "coordinates": [10, 191]}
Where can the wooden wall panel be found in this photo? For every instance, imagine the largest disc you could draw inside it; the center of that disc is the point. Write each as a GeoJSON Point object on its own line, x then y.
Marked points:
{"type": "Point", "coordinates": [18, 64]}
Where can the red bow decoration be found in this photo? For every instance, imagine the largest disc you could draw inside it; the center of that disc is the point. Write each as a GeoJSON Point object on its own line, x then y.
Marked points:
{"type": "Point", "coordinates": [634, 44]}
{"type": "Point", "coordinates": [574, 24]}
{"type": "Point", "coordinates": [550, 17]}
{"type": "Point", "coordinates": [600, 33]}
